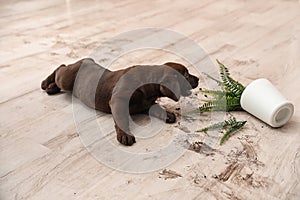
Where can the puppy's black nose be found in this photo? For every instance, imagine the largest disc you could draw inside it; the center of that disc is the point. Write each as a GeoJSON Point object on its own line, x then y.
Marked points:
{"type": "Point", "coordinates": [194, 81]}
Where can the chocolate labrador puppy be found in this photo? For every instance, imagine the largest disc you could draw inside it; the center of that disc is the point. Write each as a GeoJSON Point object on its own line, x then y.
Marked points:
{"type": "Point", "coordinates": [128, 91]}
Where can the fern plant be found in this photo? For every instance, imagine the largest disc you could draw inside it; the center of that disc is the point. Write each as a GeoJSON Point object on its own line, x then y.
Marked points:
{"type": "Point", "coordinates": [227, 99]}
{"type": "Point", "coordinates": [231, 126]}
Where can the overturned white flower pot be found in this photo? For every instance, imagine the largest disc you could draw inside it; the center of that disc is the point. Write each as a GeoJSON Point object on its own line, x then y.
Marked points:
{"type": "Point", "coordinates": [264, 101]}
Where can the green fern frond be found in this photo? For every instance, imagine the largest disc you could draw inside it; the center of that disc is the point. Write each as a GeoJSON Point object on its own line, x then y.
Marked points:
{"type": "Point", "coordinates": [231, 126]}
{"type": "Point", "coordinates": [214, 93]}
{"type": "Point", "coordinates": [233, 103]}
{"type": "Point", "coordinates": [230, 84]}
{"type": "Point", "coordinates": [223, 71]}
{"type": "Point", "coordinates": [212, 78]}
{"type": "Point", "coordinates": [227, 99]}
{"type": "Point", "coordinates": [213, 127]}
{"type": "Point", "coordinates": [232, 130]}
{"type": "Point", "coordinates": [213, 105]}
{"type": "Point", "coordinates": [237, 85]}
{"type": "Point", "coordinates": [221, 103]}
{"type": "Point", "coordinates": [230, 122]}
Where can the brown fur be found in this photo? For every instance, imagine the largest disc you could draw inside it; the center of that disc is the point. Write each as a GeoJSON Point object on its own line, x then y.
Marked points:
{"type": "Point", "coordinates": [129, 91]}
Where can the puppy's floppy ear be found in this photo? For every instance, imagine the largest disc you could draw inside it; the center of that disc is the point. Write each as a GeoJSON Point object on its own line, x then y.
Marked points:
{"type": "Point", "coordinates": [174, 65]}
{"type": "Point", "coordinates": [177, 66]}
{"type": "Point", "coordinates": [170, 87]}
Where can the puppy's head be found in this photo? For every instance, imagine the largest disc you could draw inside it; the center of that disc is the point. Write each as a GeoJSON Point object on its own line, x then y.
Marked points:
{"type": "Point", "coordinates": [179, 81]}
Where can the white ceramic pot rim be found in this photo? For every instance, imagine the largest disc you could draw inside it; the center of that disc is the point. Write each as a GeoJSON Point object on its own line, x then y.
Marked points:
{"type": "Point", "coordinates": [282, 114]}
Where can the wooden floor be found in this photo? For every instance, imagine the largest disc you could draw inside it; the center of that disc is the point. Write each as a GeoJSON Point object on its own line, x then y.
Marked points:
{"type": "Point", "coordinates": [41, 154]}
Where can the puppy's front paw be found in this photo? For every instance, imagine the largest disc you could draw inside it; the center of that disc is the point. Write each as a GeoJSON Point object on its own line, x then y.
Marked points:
{"type": "Point", "coordinates": [52, 89]}
{"type": "Point", "coordinates": [44, 84]}
{"type": "Point", "coordinates": [171, 118]}
{"type": "Point", "coordinates": [125, 138]}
